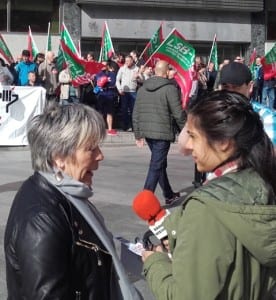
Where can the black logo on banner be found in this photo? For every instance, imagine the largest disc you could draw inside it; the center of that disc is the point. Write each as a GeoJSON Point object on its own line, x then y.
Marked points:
{"type": "Point", "coordinates": [8, 96]}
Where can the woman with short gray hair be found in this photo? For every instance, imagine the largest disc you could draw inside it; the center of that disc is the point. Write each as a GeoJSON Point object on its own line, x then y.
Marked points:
{"type": "Point", "coordinates": [56, 243]}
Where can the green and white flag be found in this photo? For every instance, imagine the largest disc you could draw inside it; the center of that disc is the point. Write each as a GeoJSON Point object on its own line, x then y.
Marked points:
{"type": "Point", "coordinates": [269, 64]}
{"type": "Point", "coordinates": [4, 50]}
{"type": "Point", "coordinates": [107, 49]}
{"type": "Point", "coordinates": [180, 54]}
{"type": "Point", "coordinates": [49, 39]}
{"type": "Point", "coordinates": [32, 45]}
{"type": "Point", "coordinates": [214, 53]}
{"type": "Point", "coordinates": [152, 45]}
{"type": "Point", "coordinates": [68, 41]}
{"type": "Point", "coordinates": [252, 63]}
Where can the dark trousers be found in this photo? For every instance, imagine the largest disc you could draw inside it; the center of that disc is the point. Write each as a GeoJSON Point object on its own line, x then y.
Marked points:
{"type": "Point", "coordinates": [127, 105]}
{"type": "Point", "coordinates": [157, 172]}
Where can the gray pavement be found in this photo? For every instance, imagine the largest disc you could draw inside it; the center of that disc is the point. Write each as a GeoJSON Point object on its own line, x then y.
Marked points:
{"type": "Point", "coordinates": [120, 177]}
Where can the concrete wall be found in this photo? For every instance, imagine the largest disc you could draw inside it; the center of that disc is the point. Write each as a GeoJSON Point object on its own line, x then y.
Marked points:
{"type": "Point", "coordinates": [17, 42]}
{"type": "Point", "coordinates": [258, 34]}
{"type": "Point", "coordinates": [234, 5]}
{"type": "Point", "coordinates": [70, 15]}
{"type": "Point", "coordinates": [141, 23]}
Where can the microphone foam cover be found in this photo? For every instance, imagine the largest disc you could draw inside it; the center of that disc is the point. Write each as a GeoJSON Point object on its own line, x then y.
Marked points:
{"type": "Point", "coordinates": [146, 205]}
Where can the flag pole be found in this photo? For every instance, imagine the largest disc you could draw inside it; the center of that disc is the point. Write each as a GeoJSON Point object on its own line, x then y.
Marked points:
{"type": "Point", "coordinates": [102, 43]}
{"type": "Point", "coordinates": [48, 36]}
{"type": "Point", "coordinates": [209, 60]}
{"type": "Point", "coordinates": [141, 55]}
{"type": "Point", "coordinates": [79, 46]}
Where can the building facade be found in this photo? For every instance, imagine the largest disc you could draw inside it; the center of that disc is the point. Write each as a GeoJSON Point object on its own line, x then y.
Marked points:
{"type": "Point", "coordinates": [240, 26]}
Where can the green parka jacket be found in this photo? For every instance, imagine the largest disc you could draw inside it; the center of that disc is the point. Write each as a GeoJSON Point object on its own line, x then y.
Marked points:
{"type": "Point", "coordinates": [223, 243]}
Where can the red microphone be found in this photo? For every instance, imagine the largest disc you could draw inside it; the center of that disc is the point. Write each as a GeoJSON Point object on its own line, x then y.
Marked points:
{"type": "Point", "coordinates": [147, 207]}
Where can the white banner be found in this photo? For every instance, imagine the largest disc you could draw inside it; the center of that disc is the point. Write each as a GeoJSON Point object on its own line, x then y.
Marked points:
{"type": "Point", "coordinates": [18, 104]}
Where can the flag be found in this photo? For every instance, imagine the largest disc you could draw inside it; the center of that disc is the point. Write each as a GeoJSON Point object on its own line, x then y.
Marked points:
{"type": "Point", "coordinates": [4, 50]}
{"type": "Point", "coordinates": [68, 41]}
{"type": "Point", "coordinates": [81, 71]}
{"type": "Point", "coordinates": [214, 53]}
{"type": "Point", "coordinates": [269, 64]}
{"type": "Point", "coordinates": [107, 50]}
{"type": "Point", "coordinates": [252, 63]}
{"type": "Point", "coordinates": [61, 64]}
{"type": "Point", "coordinates": [180, 54]}
{"type": "Point", "coordinates": [32, 45]}
{"type": "Point", "coordinates": [152, 45]}
{"type": "Point", "coordinates": [49, 39]}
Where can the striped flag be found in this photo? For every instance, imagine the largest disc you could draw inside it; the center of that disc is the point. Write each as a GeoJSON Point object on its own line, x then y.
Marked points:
{"type": "Point", "coordinates": [214, 53]}
{"type": "Point", "coordinates": [180, 54]}
{"type": "Point", "coordinates": [107, 50]}
{"type": "Point", "coordinates": [49, 39]}
{"type": "Point", "coordinates": [152, 45]}
{"type": "Point", "coordinates": [269, 64]}
{"type": "Point", "coordinates": [252, 63]}
{"type": "Point", "coordinates": [4, 50]}
{"type": "Point", "coordinates": [81, 71]}
{"type": "Point", "coordinates": [32, 45]}
{"type": "Point", "coordinates": [67, 39]}
{"type": "Point", "coordinates": [61, 64]}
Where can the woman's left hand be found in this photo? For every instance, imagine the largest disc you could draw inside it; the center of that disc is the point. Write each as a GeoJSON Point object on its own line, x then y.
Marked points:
{"type": "Point", "coordinates": [146, 253]}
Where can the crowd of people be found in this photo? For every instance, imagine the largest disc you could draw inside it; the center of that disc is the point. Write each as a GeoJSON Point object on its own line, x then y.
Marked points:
{"type": "Point", "coordinates": [221, 241]}
{"type": "Point", "coordinates": [113, 90]}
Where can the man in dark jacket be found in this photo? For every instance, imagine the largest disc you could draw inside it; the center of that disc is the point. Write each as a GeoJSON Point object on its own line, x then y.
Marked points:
{"type": "Point", "coordinates": [157, 112]}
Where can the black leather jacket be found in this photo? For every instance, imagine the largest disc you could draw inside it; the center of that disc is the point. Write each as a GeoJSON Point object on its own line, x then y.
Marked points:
{"type": "Point", "coordinates": [46, 249]}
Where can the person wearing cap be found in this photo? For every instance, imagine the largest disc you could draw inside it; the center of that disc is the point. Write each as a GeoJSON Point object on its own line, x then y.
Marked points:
{"type": "Point", "coordinates": [236, 77]}
{"type": "Point", "coordinates": [24, 67]}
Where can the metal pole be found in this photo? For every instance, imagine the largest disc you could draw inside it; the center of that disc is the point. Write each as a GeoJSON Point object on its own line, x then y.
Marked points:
{"type": "Point", "coordinates": [8, 15]}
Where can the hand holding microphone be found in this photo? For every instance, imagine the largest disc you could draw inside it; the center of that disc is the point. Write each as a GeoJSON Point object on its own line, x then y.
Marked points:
{"type": "Point", "coordinates": [148, 208]}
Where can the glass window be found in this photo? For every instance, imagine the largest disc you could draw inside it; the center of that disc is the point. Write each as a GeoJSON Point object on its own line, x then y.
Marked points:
{"type": "Point", "coordinates": [3, 16]}
{"type": "Point", "coordinates": [225, 51]}
{"type": "Point", "coordinates": [271, 25]}
{"type": "Point", "coordinates": [35, 13]}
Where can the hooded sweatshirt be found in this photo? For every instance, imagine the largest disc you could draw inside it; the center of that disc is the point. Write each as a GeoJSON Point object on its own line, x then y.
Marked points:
{"type": "Point", "coordinates": [223, 243]}
{"type": "Point", "coordinates": [157, 109]}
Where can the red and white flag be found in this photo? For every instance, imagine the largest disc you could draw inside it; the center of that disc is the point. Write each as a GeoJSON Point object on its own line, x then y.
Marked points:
{"type": "Point", "coordinates": [32, 45]}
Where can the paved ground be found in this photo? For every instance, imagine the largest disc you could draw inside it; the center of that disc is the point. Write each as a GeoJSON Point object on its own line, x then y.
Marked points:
{"type": "Point", "coordinates": [120, 177]}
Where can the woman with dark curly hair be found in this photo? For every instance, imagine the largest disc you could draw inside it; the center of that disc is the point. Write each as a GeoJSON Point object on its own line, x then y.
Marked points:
{"type": "Point", "coordinates": [223, 238]}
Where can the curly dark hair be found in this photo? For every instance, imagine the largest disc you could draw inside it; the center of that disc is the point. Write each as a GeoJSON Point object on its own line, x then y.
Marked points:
{"type": "Point", "coordinates": [228, 115]}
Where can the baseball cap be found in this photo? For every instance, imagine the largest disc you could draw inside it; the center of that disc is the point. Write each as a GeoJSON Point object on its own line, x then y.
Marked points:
{"type": "Point", "coordinates": [235, 73]}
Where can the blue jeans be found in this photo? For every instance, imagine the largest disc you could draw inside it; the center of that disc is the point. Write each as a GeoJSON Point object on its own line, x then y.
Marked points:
{"type": "Point", "coordinates": [127, 105]}
{"type": "Point", "coordinates": [71, 100]}
{"type": "Point", "coordinates": [157, 172]}
{"type": "Point", "coordinates": [270, 93]}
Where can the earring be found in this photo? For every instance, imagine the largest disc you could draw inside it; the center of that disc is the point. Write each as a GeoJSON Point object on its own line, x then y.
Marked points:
{"type": "Point", "coordinates": [59, 177]}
